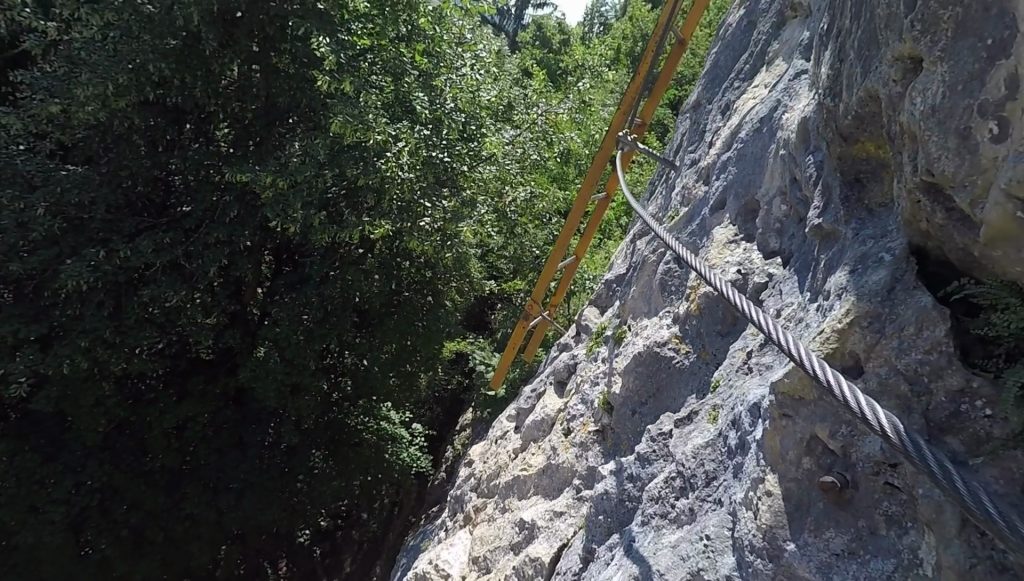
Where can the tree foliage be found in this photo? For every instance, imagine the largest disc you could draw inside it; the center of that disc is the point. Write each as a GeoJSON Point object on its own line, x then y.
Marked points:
{"type": "Point", "coordinates": [254, 257]}
{"type": "Point", "coordinates": [599, 16]}
{"type": "Point", "coordinates": [509, 18]}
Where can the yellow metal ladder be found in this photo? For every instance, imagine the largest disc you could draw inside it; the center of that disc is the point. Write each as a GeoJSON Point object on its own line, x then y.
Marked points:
{"type": "Point", "coordinates": [536, 317]}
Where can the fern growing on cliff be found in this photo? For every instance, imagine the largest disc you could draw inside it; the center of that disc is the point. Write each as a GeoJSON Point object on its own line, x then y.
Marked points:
{"type": "Point", "coordinates": [998, 320]}
{"type": "Point", "coordinates": [1001, 303]}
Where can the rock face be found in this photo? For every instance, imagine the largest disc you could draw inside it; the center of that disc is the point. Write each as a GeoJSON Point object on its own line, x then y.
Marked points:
{"type": "Point", "coordinates": [828, 144]}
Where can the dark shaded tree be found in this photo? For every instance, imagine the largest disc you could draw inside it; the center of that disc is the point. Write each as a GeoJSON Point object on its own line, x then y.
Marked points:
{"type": "Point", "coordinates": [233, 243]}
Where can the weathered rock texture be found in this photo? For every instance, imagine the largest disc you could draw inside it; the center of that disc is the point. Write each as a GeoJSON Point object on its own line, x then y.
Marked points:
{"type": "Point", "coordinates": [826, 140]}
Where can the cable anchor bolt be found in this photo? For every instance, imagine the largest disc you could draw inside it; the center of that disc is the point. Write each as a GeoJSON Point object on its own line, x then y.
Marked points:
{"type": "Point", "coordinates": [629, 142]}
{"type": "Point", "coordinates": [834, 482]}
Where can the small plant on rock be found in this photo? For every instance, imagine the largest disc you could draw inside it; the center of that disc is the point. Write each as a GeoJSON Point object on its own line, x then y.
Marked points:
{"type": "Point", "coordinates": [680, 345]}
{"type": "Point", "coordinates": [594, 342]}
{"type": "Point", "coordinates": [621, 332]}
{"type": "Point", "coordinates": [604, 403]}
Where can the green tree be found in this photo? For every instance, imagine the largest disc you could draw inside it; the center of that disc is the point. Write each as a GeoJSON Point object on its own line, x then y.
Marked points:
{"type": "Point", "coordinates": [235, 238]}
{"type": "Point", "coordinates": [552, 45]}
{"type": "Point", "coordinates": [254, 257]}
{"type": "Point", "coordinates": [599, 16]}
{"type": "Point", "coordinates": [510, 18]}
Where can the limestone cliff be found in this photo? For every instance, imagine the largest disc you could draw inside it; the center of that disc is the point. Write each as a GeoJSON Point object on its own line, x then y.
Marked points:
{"type": "Point", "coordinates": [829, 145]}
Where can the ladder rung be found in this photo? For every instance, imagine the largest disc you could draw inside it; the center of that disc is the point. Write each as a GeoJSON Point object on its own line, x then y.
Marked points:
{"type": "Point", "coordinates": [678, 34]}
{"type": "Point", "coordinates": [566, 262]}
{"type": "Point", "coordinates": [598, 197]}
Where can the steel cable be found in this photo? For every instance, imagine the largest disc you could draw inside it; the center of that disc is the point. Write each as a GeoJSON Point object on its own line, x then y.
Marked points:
{"type": "Point", "coordinates": [992, 516]}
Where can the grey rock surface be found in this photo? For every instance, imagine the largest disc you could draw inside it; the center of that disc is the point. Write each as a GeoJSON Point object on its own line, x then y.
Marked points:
{"type": "Point", "coordinates": [826, 141]}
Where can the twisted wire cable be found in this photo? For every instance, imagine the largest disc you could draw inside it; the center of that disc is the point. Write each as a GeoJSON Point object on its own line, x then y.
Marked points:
{"type": "Point", "coordinates": [992, 516]}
